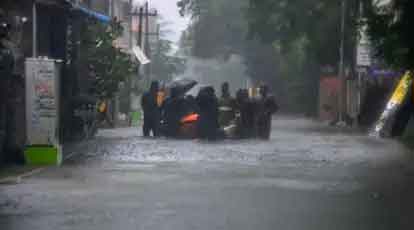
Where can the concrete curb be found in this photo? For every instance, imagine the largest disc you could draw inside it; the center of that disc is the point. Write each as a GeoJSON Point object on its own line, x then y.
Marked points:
{"type": "Point", "coordinates": [18, 178]}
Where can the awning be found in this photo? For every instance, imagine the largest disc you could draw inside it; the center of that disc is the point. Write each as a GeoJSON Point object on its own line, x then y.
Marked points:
{"type": "Point", "coordinates": [94, 14]}
{"type": "Point", "coordinates": [140, 55]}
{"type": "Point", "coordinates": [58, 3]}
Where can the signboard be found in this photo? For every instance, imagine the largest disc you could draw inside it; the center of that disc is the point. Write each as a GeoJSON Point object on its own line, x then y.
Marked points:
{"type": "Point", "coordinates": [383, 127]}
{"type": "Point", "coordinates": [364, 49]}
{"type": "Point", "coordinates": [363, 54]}
{"type": "Point", "coordinates": [42, 102]}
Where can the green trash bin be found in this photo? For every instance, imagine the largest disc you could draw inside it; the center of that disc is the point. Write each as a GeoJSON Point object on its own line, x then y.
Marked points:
{"type": "Point", "coordinates": [43, 155]}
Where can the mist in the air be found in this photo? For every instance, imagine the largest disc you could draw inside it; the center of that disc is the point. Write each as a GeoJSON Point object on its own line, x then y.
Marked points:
{"type": "Point", "coordinates": [213, 72]}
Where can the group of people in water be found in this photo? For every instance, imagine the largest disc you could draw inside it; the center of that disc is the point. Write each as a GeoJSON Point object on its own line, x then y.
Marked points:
{"type": "Point", "coordinates": [206, 116]}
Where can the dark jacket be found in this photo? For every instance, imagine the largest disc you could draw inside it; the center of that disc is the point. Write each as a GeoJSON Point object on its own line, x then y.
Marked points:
{"type": "Point", "coordinates": [150, 106]}
{"type": "Point", "coordinates": [208, 126]}
{"type": "Point", "coordinates": [266, 108]}
{"type": "Point", "coordinates": [172, 112]}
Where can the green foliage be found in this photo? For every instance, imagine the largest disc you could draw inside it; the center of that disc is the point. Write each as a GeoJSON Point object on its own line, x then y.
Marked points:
{"type": "Point", "coordinates": [283, 42]}
{"type": "Point", "coordinates": [317, 21]}
{"type": "Point", "coordinates": [218, 27]}
{"type": "Point", "coordinates": [391, 31]}
{"type": "Point", "coordinates": [108, 66]}
{"type": "Point", "coordinates": [306, 35]}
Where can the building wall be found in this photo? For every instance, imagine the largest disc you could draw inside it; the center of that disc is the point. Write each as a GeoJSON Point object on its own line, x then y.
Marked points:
{"type": "Point", "coordinates": [101, 6]}
{"type": "Point", "coordinates": [51, 43]}
{"type": "Point", "coordinates": [121, 10]}
{"type": "Point", "coordinates": [51, 32]}
{"type": "Point", "coordinates": [13, 94]}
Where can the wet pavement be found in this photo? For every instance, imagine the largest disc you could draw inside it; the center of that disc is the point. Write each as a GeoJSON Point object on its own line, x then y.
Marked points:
{"type": "Point", "coordinates": [307, 177]}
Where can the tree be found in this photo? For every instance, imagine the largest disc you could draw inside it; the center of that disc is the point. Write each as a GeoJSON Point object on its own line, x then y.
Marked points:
{"type": "Point", "coordinates": [309, 29]}
{"type": "Point", "coordinates": [284, 43]}
{"type": "Point", "coordinates": [164, 64]}
{"type": "Point", "coordinates": [317, 21]}
{"type": "Point", "coordinates": [391, 31]}
{"type": "Point", "coordinates": [108, 66]}
{"type": "Point", "coordinates": [218, 28]}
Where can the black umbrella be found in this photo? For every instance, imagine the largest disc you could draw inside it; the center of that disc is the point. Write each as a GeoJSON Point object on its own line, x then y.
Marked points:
{"type": "Point", "coordinates": [182, 85]}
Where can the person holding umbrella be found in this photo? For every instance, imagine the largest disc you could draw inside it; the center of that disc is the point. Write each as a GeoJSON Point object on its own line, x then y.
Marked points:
{"type": "Point", "coordinates": [176, 106]}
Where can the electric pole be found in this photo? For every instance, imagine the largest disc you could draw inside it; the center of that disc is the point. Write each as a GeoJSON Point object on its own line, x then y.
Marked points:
{"type": "Point", "coordinates": [342, 80]}
{"type": "Point", "coordinates": [147, 45]}
{"type": "Point", "coordinates": [130, 19]}
{"type": "Point", "coordinates": [144, 12]}
{"type": "Point", "coordinates": [140, 15]}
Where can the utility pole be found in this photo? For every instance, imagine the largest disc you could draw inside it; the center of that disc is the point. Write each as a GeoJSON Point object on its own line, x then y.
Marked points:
{"type": "Point", "coordinates": [342, 80]}
{"type": "Point", "coordinates": [146, 25]}
{"type": "Point", "coordinates": [130, 25]}
{"type": "Point", "coordinates": [147, 49]}
{"type": "Point", "coordinates": [141, 15]}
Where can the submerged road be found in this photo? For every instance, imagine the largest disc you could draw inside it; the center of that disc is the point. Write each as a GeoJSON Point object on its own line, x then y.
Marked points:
{"type": "Point", "coordinates": [307, 177]}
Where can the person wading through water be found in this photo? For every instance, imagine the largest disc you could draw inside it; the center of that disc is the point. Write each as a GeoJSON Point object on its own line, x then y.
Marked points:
{"type": "Point", "coordinates": [152, 113]}
{"type": "Point", "coordinates": [226, 106]}
{"type": "Point", "coordinates": [246, 109]}
{"type": "Point", "coordinates": [267, 107]}
{"type": "Point", "coordinates": [208, 126]}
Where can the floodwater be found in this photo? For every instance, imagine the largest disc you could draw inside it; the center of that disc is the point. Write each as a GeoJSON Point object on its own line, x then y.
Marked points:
{"type": "Point", "coordinates": [307, 176]}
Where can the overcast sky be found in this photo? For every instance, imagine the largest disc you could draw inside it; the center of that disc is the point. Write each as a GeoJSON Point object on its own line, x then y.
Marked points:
{"type": "Point", "coordinates": [169, 11]}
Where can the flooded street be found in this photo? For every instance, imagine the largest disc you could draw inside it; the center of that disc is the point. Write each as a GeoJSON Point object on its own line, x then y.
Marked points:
{"type": "Point", "coordinates": [307, 176]}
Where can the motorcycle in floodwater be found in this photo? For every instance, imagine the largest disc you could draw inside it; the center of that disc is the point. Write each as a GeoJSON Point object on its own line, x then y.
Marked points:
{"type": "Point", "coordinates": [187, 127]}
{"type": "Point", "coordinates": [182, 111]}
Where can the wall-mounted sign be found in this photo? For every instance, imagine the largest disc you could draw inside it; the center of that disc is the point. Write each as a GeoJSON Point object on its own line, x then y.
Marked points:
{"type": "Point", "coordinates": [364, 57]}
{"type": "Point", "coordinates": [42, 101]}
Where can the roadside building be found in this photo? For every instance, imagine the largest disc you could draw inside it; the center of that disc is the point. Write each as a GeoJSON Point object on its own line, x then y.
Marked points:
{"type": "Point", "coordinates": [45, 28]}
